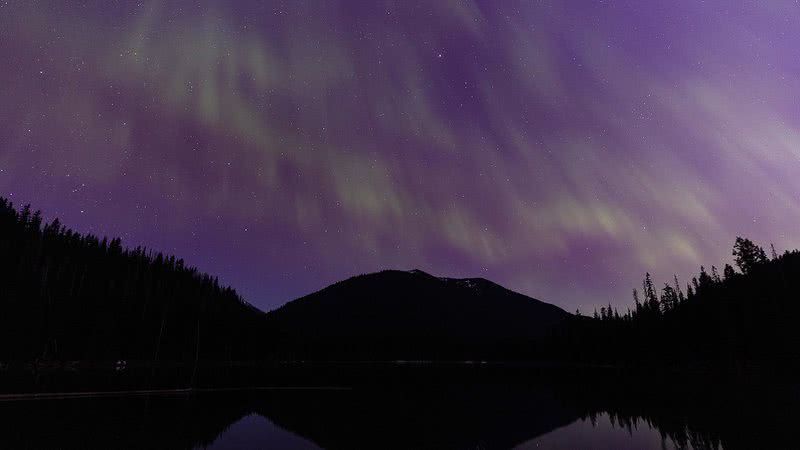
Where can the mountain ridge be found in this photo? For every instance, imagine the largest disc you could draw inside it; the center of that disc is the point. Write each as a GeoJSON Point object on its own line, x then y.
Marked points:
{"type": "Point", "coordinates": [404, 309]}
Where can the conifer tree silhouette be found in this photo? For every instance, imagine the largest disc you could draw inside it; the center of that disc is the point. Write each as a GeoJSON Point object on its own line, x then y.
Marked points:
{"type": "Point", "coordinates": [67, 296]}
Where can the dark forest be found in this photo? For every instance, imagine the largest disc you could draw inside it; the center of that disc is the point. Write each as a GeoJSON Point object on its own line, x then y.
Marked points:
{"type": "Point", "coordinates": [71, 298]}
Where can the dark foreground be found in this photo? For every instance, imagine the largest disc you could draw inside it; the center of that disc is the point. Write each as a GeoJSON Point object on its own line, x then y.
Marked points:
{"type": "Point", "coordinates": [410, 406]}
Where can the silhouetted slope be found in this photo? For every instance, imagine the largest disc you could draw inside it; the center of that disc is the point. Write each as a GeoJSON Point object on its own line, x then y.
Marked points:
{"type": "Point", "coordinates": [67, 296]}
{"type": "Point", "coordinates": [413, 315]}
{"type": "Point", "coordinates": [746, 321]}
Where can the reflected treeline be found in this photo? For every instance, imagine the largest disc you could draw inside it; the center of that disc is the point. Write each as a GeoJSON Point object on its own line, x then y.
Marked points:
{"type": "Point", "coordinates": [452, 416]}
{"type": "Point", "coordinates": [159, 422]}
{"type": "Point", "coordinates": [66, 296]}
{"type": "Point", "coordinates": [715, 415]}
{"type": "Point", "coordinates": [672, 430]}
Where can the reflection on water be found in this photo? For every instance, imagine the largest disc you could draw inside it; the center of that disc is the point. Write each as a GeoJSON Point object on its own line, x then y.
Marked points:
{"type": "Point", "coordinates": [254, 431]}
{"type": "Point", "coordinates": [603, 432]}
{"type": "Point", "coordinates": [442, 417]}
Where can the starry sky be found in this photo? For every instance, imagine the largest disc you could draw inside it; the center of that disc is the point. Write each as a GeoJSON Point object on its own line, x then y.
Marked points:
{"type": "Point", "coordinates": [559, 148]}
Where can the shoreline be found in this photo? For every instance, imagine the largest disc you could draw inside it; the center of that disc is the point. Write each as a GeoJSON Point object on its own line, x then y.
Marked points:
{"type": "Point", "coordinates": [161, 392]}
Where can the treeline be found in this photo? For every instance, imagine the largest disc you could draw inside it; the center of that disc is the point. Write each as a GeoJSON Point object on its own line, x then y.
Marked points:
{"type": "Point", "coordinates": [67, 296]}
{"type": "Point", "coordinates": [741, 319]}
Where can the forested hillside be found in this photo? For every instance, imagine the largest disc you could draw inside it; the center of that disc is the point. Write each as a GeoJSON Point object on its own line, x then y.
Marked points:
{"type": "Point", "coordinates": [72, 297]}
{"type": "Point", "coordinates": [741, 319]}
{"type": "Point", "coordinates": [68, 296]}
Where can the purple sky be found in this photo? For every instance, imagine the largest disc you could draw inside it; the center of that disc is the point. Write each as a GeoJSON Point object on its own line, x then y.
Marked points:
{"type": "Point", "coordinates": [559, 148]}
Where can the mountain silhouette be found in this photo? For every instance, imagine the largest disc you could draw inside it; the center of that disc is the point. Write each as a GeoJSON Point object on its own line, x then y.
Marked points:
{"type": "Point", "coordinates": [71, 300]}
{"type": "Point", "coordinates": [396, 314]}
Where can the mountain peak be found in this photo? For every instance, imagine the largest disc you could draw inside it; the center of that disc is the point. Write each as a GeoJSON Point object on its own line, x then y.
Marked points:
{"type": "Point", "coordinates": [397, 314]}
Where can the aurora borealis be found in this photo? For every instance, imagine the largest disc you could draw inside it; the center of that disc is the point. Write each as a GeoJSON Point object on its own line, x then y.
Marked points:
{"type": "Point", "coordinates": [561, 149]}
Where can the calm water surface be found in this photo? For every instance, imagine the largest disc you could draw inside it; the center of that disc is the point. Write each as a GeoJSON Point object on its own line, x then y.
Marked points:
{"type": "Point", "coordinates": [442, 417]}
{"type": "Point", "coordinates": [255, 431]}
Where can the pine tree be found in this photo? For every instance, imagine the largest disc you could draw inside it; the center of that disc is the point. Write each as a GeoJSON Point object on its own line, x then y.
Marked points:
{"type": "Point", "coordinates": [678, 290]}
{"type": "Point", "coordinates": [669, 299]}
{"type": "Point", "coordinates": [728, 273]}
{"type": "Point", "coordinates": [715, 275]}
{"type": "Point", "coordinates": [748, 255]}
{"type": "Point", "coordinates": [650, 296]}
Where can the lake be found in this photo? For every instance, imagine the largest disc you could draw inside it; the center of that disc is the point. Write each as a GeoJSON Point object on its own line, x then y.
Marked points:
{"type": "Point", "coordinates": [444, 416]}
{"type": "Point", "coordinates": [602, 432]}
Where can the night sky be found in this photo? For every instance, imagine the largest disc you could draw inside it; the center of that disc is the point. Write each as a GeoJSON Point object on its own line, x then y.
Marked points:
{"type": "Point", "coordinates": [559, 148]}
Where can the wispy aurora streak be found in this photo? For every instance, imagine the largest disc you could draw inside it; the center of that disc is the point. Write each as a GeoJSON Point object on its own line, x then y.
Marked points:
{"type": "Point", "coordinates": [561, 149]}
